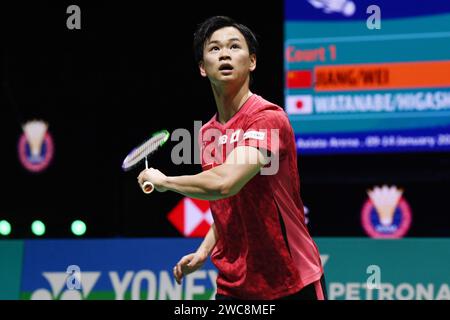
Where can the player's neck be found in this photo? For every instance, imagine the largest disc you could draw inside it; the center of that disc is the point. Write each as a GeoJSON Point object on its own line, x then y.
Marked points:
{"type": "Point", "coordinates": [229, 101]}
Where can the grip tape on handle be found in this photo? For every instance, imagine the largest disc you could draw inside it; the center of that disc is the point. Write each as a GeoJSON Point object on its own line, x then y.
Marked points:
{"type": "Point", "coordinates": [148, 187]}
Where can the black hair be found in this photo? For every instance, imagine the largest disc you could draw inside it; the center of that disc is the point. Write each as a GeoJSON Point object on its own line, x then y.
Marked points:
{"type": "Point", "coordinates": [210, 25]}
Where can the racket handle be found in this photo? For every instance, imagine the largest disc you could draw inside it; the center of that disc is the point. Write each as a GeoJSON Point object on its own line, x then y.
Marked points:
{"type": "Point", "coordinates": [148, 187]}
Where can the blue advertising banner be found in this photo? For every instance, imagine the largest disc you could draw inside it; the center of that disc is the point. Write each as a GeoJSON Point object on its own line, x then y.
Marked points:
{"type": "Point", "coordinates": [112, 269]}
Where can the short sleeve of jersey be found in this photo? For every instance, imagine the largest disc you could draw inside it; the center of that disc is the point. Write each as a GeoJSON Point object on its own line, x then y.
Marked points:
{"type": "Point", "coordinates": [267, 130]}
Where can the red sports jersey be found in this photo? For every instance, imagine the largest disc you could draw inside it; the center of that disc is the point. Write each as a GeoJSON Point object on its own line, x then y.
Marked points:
{"type": "Point", "coordinates": [264, 250]}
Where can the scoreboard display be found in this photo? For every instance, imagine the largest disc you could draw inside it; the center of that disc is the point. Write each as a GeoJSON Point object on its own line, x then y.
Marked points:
{"type": "Point", "coordinates": [365, 77]}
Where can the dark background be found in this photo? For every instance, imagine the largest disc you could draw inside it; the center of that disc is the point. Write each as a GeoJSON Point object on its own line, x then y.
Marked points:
{"type": "Point", "coordinates": [129, 72]}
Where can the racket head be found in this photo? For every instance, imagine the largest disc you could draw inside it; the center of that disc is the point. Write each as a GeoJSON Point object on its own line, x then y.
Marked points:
{"type": "Point", "coordinates": [145, 149]}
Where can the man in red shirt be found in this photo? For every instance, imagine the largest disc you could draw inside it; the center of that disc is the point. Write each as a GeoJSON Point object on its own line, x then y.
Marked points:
{"type": "Point", "coordinates": [259, 241]}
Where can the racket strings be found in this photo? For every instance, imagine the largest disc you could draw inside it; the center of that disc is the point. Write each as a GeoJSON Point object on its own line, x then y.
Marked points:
{"type": "Point", "coordinates": [144, 150]}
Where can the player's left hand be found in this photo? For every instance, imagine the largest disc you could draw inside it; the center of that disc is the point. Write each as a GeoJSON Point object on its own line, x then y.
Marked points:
{"type": "Point", "coordinates": [188, 264]}
{"type": "Point", "coordinates": [154, 176]}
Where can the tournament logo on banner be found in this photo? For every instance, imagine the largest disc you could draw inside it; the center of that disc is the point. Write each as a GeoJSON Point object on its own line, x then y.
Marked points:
{"type": "Point", "coordinates": [35, 146]}
{"type": "Point", "coordinates": [386, 214]}
{"type": "Point", "coordinates": [192, 217]}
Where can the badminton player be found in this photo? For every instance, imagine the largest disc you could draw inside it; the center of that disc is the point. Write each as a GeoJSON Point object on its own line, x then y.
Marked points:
{"type": "Point", "coordinates": [259, 241]}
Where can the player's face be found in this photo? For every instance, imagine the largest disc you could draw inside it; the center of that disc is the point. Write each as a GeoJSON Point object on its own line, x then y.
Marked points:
{"type": "Point", "coordinates": [226, 57]}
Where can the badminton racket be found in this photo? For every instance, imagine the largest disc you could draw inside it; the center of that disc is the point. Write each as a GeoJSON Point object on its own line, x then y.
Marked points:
{"type": "Point", "coordinates": [142, 152]}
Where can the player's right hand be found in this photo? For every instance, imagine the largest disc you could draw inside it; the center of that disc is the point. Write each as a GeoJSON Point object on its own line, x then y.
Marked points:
{"type": "Point", "coordinates": [156, 177]}
{"type": "Point", "coordinates": [188, 264]}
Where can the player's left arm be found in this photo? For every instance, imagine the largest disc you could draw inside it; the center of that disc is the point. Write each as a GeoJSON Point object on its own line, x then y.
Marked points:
{"type": "Point", "coordinates": [220, 182]}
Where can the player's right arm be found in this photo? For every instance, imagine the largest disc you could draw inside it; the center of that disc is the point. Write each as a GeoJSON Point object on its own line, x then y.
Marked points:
{"type": "Point", "coordinates": [220, 182]}
{"type": "Point", "coordinates": [194, 261]}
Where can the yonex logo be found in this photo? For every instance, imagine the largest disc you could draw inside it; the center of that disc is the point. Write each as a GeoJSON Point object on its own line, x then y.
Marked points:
{"type": "Point", "coordinates": [59, 289]}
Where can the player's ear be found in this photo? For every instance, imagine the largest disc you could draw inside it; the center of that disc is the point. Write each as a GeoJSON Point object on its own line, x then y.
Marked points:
{"type": "Point", "coordinates": [252, 62]}
{"type": "Point", "coordinates": [201, 66]}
